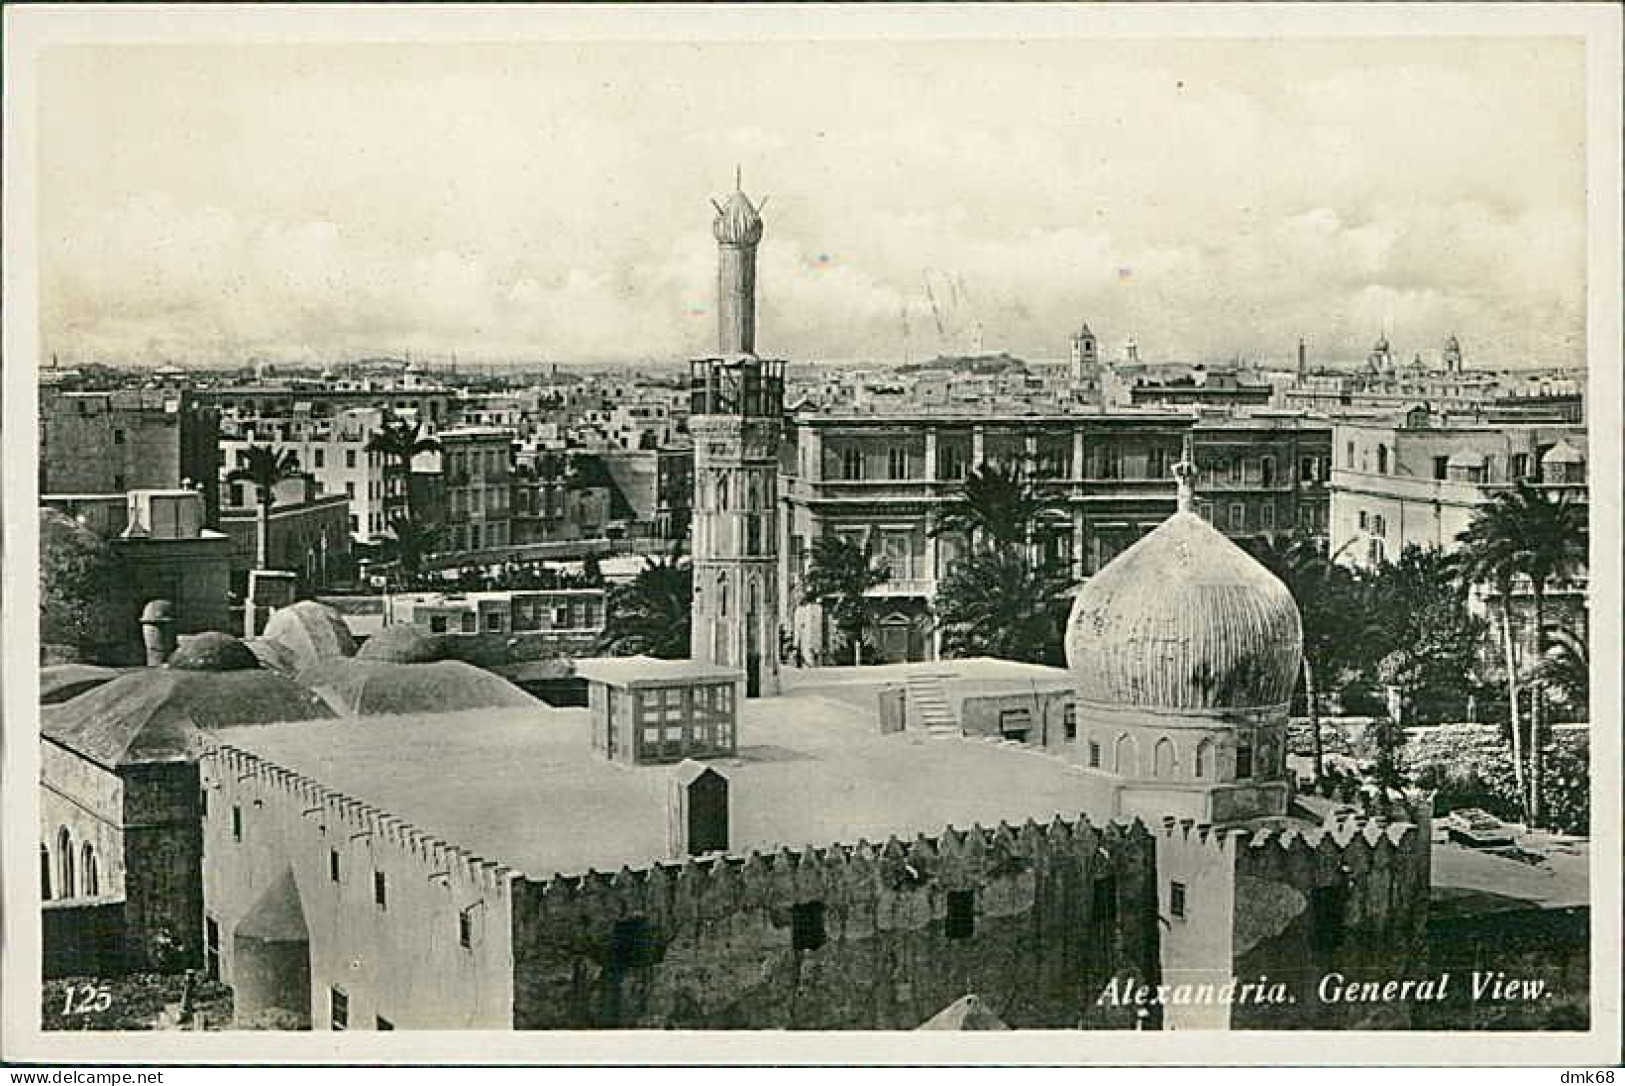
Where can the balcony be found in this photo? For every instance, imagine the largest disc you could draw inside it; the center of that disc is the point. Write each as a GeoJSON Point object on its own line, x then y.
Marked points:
{"type": "Point", "coordinates": [899, 587]}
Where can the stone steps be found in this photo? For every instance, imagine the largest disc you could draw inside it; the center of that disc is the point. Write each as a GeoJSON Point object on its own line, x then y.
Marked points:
{"type": "Point", "coordinates": [928, 705]}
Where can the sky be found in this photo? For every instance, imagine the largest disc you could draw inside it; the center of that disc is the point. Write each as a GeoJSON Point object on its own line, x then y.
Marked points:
{"type": "Point", "coordinates": [550, 201]}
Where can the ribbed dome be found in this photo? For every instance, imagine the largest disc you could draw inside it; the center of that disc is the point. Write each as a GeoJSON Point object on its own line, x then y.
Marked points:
{"type": "Point", "coordinates": [737, 222]}
{"type": "Point", "coordinates": [1184, 620]}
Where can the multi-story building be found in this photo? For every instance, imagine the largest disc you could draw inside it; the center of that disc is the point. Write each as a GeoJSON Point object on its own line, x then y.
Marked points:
{"type": "Point", "coordinates": [332, 449]}
{"type": "Point", "coordinates": [129, 439]}
{"type": "Point", "coordinates": [434, 405]}
{"type": "Point", "coordinates": [476, 465]}
{"type": "Point", "coordinates": [306, 532]}
{"type": "Point", "coordinates": [653, 489]}
{"type": "Point", "coordinates": [1418, 478]}
{"type": "Point", "coordinates": [882, 480]}
{"type": "Point", "coordinates": [560, 496]}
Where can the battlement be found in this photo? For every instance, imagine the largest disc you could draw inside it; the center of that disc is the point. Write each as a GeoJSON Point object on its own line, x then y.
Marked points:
{"type": "Point", "coordinates": [1349, 834]}
{"type": "Point", "coordinates": [344, 816]}
{"type": "Point", "coordinates": [956, 856]}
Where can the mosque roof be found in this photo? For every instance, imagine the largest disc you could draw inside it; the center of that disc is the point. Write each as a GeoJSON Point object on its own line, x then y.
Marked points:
{"type": "Point", "coordinates": [357, 687]}
{"type": "Point", "coordinates": [311, 631]}
{"type": "Point", "coordinates": [60, 682]}
{"type": "Point", "coordinates": [404, 643]}
{"type": "Point", "coordinates": [213, 651]}
{"type": "Point", "coordinates": [1184, 621]}
{"type": "Point", "coordinates": [151, 714]}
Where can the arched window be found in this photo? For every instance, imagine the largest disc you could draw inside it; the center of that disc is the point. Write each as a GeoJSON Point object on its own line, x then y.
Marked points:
{"type": "Point", "coordinates": [44, 871]}
{"type": "Point", "coordinates": [64, 863]}
{"type": "Point", "coordinates": [1124, 756]}
{"type": "Point", "coordinates": [1204, 758]}
{"type": "Point", "coordinates": [1163, 761]}
{"type": "Point", "coordinates": [722, 589]}
{"type": "Point", "coordinates": [87, 870]}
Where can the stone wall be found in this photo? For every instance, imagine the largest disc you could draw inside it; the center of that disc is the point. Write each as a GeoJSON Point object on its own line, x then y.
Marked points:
{"type": "Point", "coordinates": [88, 801]}
{"type": "Point", "coordinates": [82, 938]}
{"type": "Point", "coordinates": [163, 857]}
{"type": "Point", "coordinates": [408, 960]}
{"type": "Point", "coordinates": [1347, 902]}
{"type": "Point", "coordinates": [1035, 920]}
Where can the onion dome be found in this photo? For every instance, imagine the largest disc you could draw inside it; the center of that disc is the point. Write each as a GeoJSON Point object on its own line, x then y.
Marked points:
{"type": "Point", "coordinates": [737, 221]}
{"type": "Point", "coordinates": [1562, 453]}
{"type": "Point", "coordinates": [213, 651]}
{"type": "Point", "coordinates": [1184, 621]}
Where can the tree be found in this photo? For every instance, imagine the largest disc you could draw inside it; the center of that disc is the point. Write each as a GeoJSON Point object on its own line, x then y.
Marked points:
{"type": "Point", "coordinates": [839, 576]}
{"type": "Point", "coordinates": [1565, 669]}
{"type": "Point", "coordinates": [411, 542]}
{"type": "Point", "coordinates": [650, 614]}
{"type": "Point", "coordinates": [78, 582]}
{"type": "Point", "coordinates": [398, 442]}
{"type": "Point", "coordinates": [1525, 535]}
{"type": "Point", "coordinates": [1419, 609]}
{"type": "Point", "coordinates": [263, 467]}
{"type": "Point", "coordinates": [996, 506]}
{"type": "Point", "coordinates": [997, 603]}
{"type": "Point", "coordinates": [1329, 602]}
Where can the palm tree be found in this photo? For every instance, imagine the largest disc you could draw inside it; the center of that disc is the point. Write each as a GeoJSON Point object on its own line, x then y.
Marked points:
{"type": "Point", "coordinates": [1328, 599]}
{"type": "Point", "coordinates": [997, 603]}
{"type": "Point", "coordinates": [997, 506]}
{"type": "Point", "coordinates": [1525, 534]}
{"type": "Point", "coordinates": [838, 578]}
{"type": "Point", "coordinates": [650, 614]}
{"type": "Point", "coordinates": [1566, 667]}
{"type": "Point", "coordinates": [410, 543]}
{"type": "Point", "coordinates": [398, 442]}
{"type": "Point", "coordinates": [264, 466]}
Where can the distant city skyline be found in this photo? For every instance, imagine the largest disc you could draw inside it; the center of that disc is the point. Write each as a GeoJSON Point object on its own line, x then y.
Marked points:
{"type": "Point", "coordinates": [533, 203]}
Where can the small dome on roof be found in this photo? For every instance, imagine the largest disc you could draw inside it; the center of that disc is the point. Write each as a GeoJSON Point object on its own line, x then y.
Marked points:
{"type": "Point", "coordinates": [311, 631]}
{"type": "Point", "coordinates": [405, 644]}
{"type": "Point", "coordinates": [737, 221]}
{"type": "Point", "coordinates": [1563, 453]}
{"type": "Point", "coordinates": [1184, 620]}
{"type": "Point", "coordinates": [213, 651]}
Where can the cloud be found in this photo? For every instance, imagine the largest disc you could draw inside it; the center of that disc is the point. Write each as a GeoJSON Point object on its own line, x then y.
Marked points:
{"type": "Point", "coordinates": [548, 203]}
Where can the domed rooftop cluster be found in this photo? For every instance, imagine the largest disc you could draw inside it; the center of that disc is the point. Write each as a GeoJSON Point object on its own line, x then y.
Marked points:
{"type": "Point", "coordinates": [1184, 621]}
{"type": "Point", "coordinates": [737, 221]}
{"type": "Point", "coordinates": [213, 651]}
{"type": "Point", "coordinates": [310, 632]}
{"type": "Point", "coordinates": [405, 644]}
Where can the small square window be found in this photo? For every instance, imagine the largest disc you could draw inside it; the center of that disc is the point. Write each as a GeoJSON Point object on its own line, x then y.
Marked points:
{"type": "Point", "coordinates": [338, 1008]}
{"type": "Point", "coordinates": [333, 864]}
{"type": "Point", "coordinates": [807, 925]}
{"type": "Point", "coordinates": [236, 822]}
{"type": "Point", "coordinates": [961, 919]}
{"type": "Point", "coordinates": [1176, 900]}
{"type": "Point", "coordinates": [380, 889]}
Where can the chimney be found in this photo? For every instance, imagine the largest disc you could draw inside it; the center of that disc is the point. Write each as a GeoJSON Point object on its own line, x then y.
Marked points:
{"type": "Point", "coordinates": [1302, 355]}
{"type": "Point", "coordinates": [698, 810]}
{"type": "Point", "coordinates": [158, 631]}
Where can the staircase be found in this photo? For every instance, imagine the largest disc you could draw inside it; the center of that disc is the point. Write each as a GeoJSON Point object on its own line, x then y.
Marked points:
{"type": "Point", "coordinates": [928, 705]}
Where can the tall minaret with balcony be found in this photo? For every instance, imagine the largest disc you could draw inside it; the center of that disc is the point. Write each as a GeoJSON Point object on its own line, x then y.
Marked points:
{"type": "Point", "coordinates": [736, 404]}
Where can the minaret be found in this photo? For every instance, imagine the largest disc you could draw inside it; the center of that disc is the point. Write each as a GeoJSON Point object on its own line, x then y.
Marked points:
{"type": "Point", "coordinates": [738, 229]}
{"type": "Point", "coordinates": [736, 405]}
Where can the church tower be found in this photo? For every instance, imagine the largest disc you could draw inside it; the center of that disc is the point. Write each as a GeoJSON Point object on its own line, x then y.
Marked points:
{"type": "Point", "coordinates": [736, 417]}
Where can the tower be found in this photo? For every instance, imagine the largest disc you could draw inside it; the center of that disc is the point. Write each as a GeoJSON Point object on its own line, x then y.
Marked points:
{"type": "Point", "coordinates": [738, 230]}
{"type": "Point", "coordinates": [1452, 355]}
{"type": "Point", "coordinates": [1085, 354]}
{"type": "Point", "coordinates": [736, 417]}
{"type": "Point", "coordinates": [1303, 359]}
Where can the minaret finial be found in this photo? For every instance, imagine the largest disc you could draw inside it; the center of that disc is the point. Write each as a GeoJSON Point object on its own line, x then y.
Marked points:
{"type": "Point", "coordinates": [1185, 479]}
{"type": "Point", "coordinates": [739, 178]}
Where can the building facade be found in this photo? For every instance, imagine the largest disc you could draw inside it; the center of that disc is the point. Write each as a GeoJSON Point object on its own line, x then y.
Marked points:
{"type": "Point", "coordinates": [129, 439]}
{"type": "Point", "coordinates": [881, 481]}
{"type": "Point", "coordinates": [477, 467]}
{"type": "Point", "coordinates": [332, 449]}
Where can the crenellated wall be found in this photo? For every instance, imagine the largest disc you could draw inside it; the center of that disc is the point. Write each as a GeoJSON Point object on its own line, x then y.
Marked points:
{"type": "Point", "coordinates": [1294, 907]}
{"type": "Point", "coordinates": [404, 961]}
{"type": "Point", "coordinates": [1055, 912]}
